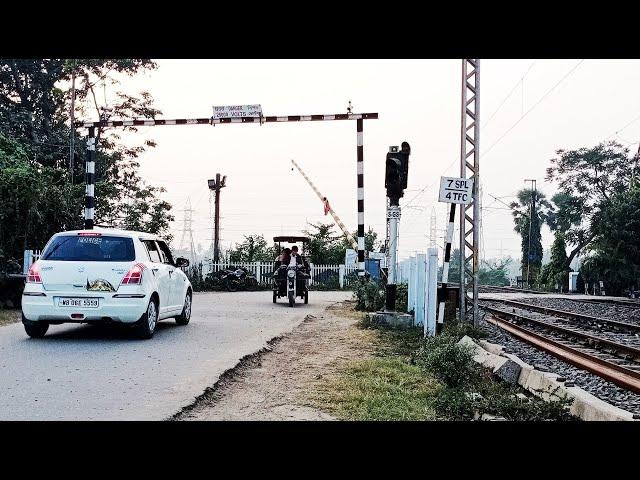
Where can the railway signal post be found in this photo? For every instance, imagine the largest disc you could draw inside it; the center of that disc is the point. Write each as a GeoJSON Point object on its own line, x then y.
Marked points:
{"type": "Point", "coordinates": [396, 174]}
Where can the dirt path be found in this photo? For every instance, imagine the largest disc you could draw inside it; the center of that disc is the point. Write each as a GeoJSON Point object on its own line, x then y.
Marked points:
{"type": "Point", "coordinates": [275, 384]}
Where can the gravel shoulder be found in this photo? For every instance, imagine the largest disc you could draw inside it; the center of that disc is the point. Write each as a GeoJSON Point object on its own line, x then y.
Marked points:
{"type": "Point", "coordinates": [593, 384]}
{"type": "Point", "coordinates": [277, 383]}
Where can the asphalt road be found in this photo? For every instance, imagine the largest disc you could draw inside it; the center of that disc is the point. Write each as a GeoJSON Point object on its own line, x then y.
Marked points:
{"type": "Point", "coordinates": [84, 372]}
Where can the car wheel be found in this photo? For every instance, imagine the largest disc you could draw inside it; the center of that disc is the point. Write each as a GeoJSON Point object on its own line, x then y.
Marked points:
{"type": "Point", "coordinates": [185, 316]}
{"type": "Point", "coordinates": [148, 321]}
{"type": "Point", "coordinates": [35, 329]}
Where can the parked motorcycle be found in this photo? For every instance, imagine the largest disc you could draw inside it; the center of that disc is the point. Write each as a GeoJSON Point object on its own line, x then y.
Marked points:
{"type": "Point", "coordinates": [239, 279]}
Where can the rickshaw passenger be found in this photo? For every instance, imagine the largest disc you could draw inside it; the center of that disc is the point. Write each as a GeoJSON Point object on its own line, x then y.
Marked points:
{"type": "Point", "coordinates": [283, 259]}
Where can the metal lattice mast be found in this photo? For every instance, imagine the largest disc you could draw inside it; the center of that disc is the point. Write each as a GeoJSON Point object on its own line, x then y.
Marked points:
{"type": "Point", "coordinates": [470, 168]}
{"type": "Point", "coordinates": [187, 229]}
{"type": "Point", "coordinates": [432, 228]}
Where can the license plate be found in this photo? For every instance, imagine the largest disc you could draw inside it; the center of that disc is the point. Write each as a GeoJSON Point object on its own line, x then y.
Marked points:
{"type": "Point", "coordinates": [78, 302]}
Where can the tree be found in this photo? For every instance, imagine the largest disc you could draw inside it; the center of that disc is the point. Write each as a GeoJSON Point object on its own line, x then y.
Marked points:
{"type": "Point", "coordinates": [615, 250]}
{"type": "Point", "coordinates": [36, 130]}
{"type": "Point", "coordinates": [325, 247]}
{"type": "Point", "coordinates": [254, 248]}
{"type": "Point", "coordinates": [587, 179]}
{"type": "Point", "coordinates": [371, 243]}
{"type": "Point", "coordinates": [528, 224]}
{"type": "Point", "coordinates": [556, 271]}
{"type": "Point", "coordinates": [491, 272]}
{"type": "Point", "coordinates": [494, 272]}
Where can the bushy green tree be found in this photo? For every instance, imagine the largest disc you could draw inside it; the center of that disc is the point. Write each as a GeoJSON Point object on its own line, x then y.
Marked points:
{"type": "Point", "coordinates": [528, 223]}
{"type": "Point", "coordinates": [325, 246]}
{"type": "Point", "coordinates": [494, 272]}
{"type": "Point", "coordinates": [39, 196]}
{"type": "Point", "coordinates": [615, 250]}
{"type": "Point", "coordinates": [587, 179]}
{"type": "Point", "coordinates": [254, 248]}
{"type": "Point", "coordinates": [556, 271]}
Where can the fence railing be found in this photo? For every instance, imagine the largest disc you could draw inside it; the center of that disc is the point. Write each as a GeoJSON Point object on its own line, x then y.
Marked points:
{"type": "Point", "coordinates": [338, 276]}
{"type": "Point", "coordinates": [30, 256]}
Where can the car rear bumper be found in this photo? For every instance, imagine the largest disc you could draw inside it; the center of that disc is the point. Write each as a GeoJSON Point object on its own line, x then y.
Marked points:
{"type": "Point", "coordinates": [111, 308]}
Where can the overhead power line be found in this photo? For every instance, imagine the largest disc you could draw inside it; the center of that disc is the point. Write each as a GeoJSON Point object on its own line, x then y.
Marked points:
{"type": "Point", "coordinates": [519, 82]}
{"type": "Point", "coordinates": [548, 92]}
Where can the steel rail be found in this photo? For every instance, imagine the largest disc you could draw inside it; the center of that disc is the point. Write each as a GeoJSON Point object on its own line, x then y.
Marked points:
{"type": "Point", "coordinates": [594, 341]}
{"type": "Point", "coordinates": [570, 315]}
{"type": "Point", "coordinates": [621, 376]}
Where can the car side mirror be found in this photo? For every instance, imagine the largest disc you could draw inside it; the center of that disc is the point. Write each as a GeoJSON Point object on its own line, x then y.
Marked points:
{"type": "Point", "coordinates": [182, 262]}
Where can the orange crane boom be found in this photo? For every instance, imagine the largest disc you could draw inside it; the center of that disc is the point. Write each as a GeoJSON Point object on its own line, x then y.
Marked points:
{"type": "Point", "coordinates": [328, 208]}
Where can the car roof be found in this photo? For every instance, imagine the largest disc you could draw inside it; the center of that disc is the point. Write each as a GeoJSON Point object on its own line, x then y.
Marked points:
{"type": "Point", "coordinates": [114, 232]}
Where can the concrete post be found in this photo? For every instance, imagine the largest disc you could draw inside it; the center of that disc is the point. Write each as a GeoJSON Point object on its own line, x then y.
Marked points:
{"type": "Point", "coordinates": [421, 290]}
{"type": "Point", "coordinates": [341, 275]}
{"type": "Point", "coordinates": [28, 255]}
{"type": "Point", "coordinates": [432, 293]}
{"type": "Point", "coordinates": [411, 285]}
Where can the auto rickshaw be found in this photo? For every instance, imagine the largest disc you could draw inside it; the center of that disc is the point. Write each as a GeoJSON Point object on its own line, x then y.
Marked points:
{"type": "Point", "coordinates": [292, 282]}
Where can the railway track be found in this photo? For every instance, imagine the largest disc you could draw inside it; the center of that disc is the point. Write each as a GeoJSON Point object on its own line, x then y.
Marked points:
{"type": "Point", "coordinates": [607, 348]}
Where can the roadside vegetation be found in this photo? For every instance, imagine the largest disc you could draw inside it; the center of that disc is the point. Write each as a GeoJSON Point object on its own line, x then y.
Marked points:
{"type": "Point", "coordinates": [8, 316]}
{"type": "Point", "coordinates": [411, 378]}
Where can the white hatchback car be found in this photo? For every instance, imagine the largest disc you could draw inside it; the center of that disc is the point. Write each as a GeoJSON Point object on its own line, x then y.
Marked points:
{"type": "Point", "coordinates": [105, 275]}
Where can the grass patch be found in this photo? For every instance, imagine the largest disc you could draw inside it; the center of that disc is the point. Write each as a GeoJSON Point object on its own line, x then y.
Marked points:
{"type": "Point", "coordinates": [412, 378]}
{"type": "Point", "coordinates": [8, 316]}
{"type": "Point", "coordinates": [378, 389]}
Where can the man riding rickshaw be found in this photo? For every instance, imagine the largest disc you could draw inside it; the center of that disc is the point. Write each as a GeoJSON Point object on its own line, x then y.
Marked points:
{"type": "Point", "coordinates": [291, 270]}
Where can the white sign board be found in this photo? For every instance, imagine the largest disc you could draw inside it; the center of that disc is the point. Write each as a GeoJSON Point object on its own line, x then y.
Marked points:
{"type": "Point", "coordinates": [456, 190]}
{"type": "Point", "coordinates": [237, 111]}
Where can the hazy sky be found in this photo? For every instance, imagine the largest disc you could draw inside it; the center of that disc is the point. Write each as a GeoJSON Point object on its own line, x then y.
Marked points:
{"type": "Point", "coordinates": [418, 101]}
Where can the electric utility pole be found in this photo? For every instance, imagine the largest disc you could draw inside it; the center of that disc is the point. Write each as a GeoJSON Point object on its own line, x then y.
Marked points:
{"type": "Point", "coordinates": [532, 212]}
{"type": "Point", "coordinates": [72, 118]}
{"type": "Point", "coordinates": [215, 186]}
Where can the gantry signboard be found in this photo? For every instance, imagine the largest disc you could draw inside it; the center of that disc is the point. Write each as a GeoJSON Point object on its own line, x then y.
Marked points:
{"type": "Point", "coordinates": [456, 190]}
{"type": "Point", "coordinates": [237, 111]}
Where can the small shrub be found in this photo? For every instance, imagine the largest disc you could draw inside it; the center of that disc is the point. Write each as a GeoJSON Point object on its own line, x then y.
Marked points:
{"type": "Point", "coordinates": [369, 296]}
{"type": "Point", "coordinates": [402, 297]}
{"type": "Point", "coordinates": [448, 361]}
{"type": "Point", "coordinates": [453, 404]}
{"type": "Point", "coordinates": [458, 330]}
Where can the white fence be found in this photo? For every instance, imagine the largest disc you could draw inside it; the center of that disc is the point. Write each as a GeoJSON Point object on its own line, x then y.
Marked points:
{"type": "Point", "coordinates": [420, 272]}
{"type": "Point", "coordinates": [30, 256]}
{"type": "Point", "coordinates": [338, 276]}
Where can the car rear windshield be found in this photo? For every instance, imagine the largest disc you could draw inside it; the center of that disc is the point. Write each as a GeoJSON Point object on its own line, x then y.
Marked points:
{"type": "Point", "coordinates": [90, 249]}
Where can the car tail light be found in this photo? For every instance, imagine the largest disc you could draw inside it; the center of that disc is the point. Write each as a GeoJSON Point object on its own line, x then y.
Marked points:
{"type": "Point", "coordinates": [89, 234]}
{"type": "Point", "coordinates": [33, 276]}
{"type": "Point", "coordinates": [134, 275]}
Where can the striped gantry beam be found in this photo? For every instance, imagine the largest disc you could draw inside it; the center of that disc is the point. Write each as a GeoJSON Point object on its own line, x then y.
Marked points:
{"type": "Point", "coordinates": [359, 117]}
{"type": "Point", "coordinates": [220, 121]}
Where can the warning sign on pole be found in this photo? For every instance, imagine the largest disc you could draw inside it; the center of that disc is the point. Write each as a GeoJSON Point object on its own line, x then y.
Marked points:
{"type": "Point", "coordinates": [456, 190]}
